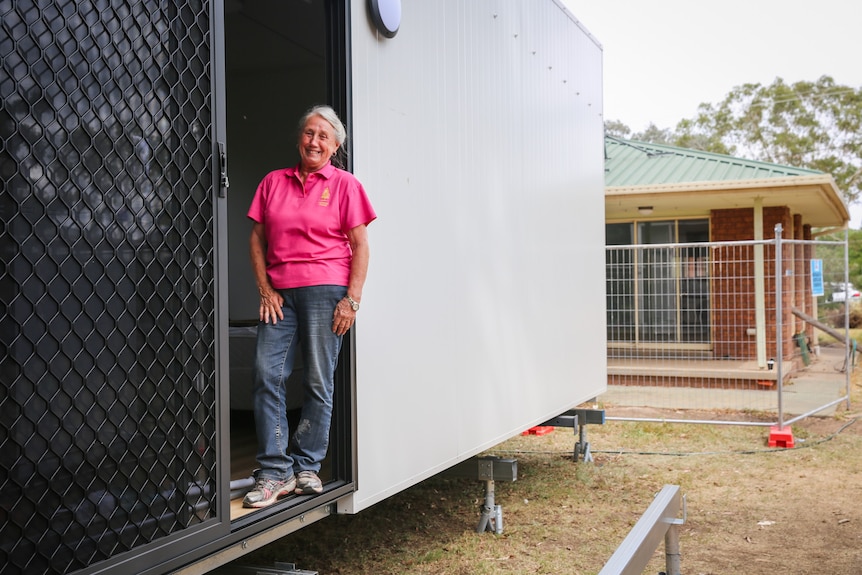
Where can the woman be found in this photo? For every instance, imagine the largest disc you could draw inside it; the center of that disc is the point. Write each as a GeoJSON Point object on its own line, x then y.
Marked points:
{"type": "Point", "coordinates": [309, 253]}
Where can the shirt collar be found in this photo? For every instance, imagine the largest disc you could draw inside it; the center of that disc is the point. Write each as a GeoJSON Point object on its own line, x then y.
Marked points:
{"type": "Point", "coordinates": [325, 172]}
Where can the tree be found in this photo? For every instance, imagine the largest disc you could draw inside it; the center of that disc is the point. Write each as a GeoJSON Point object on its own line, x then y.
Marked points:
{"type": "Point", "coordinates": [655, 135]}
{"type": "Point", "coordinates": [617, 129]}
{"type": "Point", "coordinates": [816, 125]}
{"type": "Point", "coordinates": [833, 257]}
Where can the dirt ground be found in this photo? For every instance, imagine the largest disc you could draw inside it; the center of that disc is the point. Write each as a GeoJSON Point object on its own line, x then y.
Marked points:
{"type": "Point", "coordinates": [749, 508]}
{"type": "Point", "coordinates": [774, 510]}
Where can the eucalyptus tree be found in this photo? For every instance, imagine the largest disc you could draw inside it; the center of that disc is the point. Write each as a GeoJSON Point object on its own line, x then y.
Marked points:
{"type": "Point", "coordinates": [815, 125]}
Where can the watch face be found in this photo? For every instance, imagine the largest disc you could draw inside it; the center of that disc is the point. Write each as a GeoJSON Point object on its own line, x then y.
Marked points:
{"type": "Point", "coordinates": [355, 306]}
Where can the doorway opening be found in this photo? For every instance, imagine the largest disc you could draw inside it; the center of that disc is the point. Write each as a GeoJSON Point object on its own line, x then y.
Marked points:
{"type": "Point", "coordinates": [281, 58]}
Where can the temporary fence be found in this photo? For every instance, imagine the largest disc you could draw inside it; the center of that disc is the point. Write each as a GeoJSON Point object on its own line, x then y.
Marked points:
{"type": "Point", "coordinates": [759, 329]}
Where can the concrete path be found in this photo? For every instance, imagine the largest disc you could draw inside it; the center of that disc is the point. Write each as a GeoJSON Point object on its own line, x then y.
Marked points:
{"type": "Point", "coordinates": [808, 391]}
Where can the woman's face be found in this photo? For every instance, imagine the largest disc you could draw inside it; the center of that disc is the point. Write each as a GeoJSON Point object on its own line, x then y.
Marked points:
{"type": "Point", "coordinates": [317, 143]}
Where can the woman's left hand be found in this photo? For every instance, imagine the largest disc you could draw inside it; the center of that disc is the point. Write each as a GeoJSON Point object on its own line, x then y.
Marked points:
{"type": "Point", "coordinates": [343, 317]}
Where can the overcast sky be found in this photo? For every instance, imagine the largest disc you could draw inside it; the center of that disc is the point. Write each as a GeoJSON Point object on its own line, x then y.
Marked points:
{"type": "Point", "coordinates": [662, 58]}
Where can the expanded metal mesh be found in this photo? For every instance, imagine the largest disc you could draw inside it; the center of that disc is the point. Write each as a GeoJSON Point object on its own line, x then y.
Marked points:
{"type": "Point", "coordinates": [108, 433]}
{"type": "Point", "coordinates": [700, 326]}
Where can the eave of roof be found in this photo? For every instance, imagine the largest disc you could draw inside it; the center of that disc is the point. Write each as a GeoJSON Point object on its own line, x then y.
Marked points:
{"type": "Point", "coordinates": [690, 183]}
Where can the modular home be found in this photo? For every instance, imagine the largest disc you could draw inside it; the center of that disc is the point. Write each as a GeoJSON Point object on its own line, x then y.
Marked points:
{"type": "Point", "coordinates": [134, 134]}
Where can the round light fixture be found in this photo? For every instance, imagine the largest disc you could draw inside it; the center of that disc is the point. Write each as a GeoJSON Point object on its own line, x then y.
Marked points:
{"type": "Point", "coordinates": [386, 15]}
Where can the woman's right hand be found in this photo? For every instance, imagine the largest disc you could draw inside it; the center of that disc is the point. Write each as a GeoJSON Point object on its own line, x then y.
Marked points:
{"type": "Point", "coordinates": [270, 300]}
{"type": "Point", "coordinates": [270, 305]}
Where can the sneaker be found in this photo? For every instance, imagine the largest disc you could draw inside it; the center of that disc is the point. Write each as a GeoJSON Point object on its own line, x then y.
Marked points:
{"type": "Point", "coordinates": [267, 491]}
{"type": "Point", "coordinates": [307, 482]}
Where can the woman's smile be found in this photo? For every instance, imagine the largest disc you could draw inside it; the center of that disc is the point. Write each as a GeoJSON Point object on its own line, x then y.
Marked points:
{"type": "Point", "coordinates": [317, 144]}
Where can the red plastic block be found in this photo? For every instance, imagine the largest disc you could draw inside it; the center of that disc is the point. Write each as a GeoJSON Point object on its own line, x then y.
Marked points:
{"type": "Point", "coordinates": [539, 430]}
{"type": "Point", "coordinates": [780, 436]}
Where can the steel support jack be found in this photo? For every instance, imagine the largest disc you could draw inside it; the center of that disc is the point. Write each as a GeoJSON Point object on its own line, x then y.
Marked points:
{"type": "Point", "coordinates": [578, 419]}
{"type": "Point", "coordinates": [488, 469]}
{"type": "Point", "coordinates": [492, 514]}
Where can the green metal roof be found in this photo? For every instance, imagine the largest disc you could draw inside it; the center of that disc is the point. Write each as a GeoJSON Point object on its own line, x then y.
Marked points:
{"type": "Point", "coordinates": [632, 163]}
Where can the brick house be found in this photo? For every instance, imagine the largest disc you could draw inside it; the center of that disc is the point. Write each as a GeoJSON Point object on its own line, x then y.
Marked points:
{"type": "Point", "coordinates": [715, 302]}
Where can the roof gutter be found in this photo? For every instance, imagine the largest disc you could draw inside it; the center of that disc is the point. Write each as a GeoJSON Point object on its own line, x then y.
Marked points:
{"type": "Point", "coordinates": [825, 182]}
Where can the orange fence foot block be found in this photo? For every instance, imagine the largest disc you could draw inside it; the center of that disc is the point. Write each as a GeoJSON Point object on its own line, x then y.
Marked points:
{"type": "Point", "coordinates": [539, 430]}
{"type": "Point", "coordinates": [780, 436]}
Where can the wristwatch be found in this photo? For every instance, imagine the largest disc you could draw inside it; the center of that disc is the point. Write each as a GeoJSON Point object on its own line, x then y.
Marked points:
{"type": "Point", "coordinates": [353, 303]}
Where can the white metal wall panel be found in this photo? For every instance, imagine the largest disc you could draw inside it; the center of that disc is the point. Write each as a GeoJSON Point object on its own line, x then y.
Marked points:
{"type": "Point", "coordinates": [477, 131]}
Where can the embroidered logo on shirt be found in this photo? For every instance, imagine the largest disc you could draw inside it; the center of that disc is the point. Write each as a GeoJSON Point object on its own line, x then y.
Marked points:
{"type": "Point", "coordinates": [324, 198]}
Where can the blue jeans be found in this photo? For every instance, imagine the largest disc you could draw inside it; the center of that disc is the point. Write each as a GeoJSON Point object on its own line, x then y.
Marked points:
{"type": "Point", "coordinates": [307, 320]}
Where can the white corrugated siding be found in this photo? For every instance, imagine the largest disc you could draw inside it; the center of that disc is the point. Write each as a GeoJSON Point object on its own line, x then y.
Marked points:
{"type": "Point", "coordinates": [478, 133]}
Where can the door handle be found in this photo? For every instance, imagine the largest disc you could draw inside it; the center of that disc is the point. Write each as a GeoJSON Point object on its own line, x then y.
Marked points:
{"type": "Point", "coordinates": [224, 182]}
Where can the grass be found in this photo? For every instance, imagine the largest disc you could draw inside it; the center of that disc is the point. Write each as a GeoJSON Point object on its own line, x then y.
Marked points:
{"type": "Point", "coordinates": [826, 339]}
{"type": "Point", "coordinates": [750, 509]}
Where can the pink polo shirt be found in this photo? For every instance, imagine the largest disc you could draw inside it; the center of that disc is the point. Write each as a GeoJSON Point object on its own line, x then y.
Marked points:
{"type": "Point", "coordinates": [306, 230]}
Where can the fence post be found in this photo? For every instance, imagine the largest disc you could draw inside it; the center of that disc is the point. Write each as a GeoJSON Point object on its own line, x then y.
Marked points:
{"type": "Point", "coordinates": [849, 348]}
{"type": "Point", "coordinates": [779, 328]}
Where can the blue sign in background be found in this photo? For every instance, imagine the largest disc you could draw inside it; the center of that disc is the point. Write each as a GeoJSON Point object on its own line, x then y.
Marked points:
{"type": "Point", "coordinates": [816, 277]}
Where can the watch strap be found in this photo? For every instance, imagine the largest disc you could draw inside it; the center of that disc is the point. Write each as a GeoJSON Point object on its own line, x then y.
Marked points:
{"type": "Point", "coordinates": [353, 303]}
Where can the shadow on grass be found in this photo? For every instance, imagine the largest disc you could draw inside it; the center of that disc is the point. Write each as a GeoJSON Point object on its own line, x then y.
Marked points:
{"type": "Point", "coordinates": [404, 531]}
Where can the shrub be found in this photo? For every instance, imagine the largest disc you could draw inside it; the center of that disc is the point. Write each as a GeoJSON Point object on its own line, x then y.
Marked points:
{"type": "Point", "coordinates": [835, 317]}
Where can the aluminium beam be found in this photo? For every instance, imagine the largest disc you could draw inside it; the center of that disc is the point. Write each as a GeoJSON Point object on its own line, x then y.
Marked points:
{"type": "Point", "coordinates": [657, 523]}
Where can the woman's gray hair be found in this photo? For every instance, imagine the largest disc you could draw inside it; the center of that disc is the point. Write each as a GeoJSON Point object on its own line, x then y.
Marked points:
{"type": "Point", "coordinates": [328, 114]}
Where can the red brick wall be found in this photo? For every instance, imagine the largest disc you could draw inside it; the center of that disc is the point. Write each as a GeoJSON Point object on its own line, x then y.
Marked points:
{"type": "Point", "coordinates": [733, 310]}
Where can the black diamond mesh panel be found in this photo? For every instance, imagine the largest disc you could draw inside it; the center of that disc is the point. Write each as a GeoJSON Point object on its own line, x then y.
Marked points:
{"type": "Point", "coordinates": [108, 426]}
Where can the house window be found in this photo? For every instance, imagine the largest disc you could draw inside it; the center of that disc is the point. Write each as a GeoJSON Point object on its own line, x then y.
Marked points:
{"type": "Point", "coordinates": [660, 293]}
